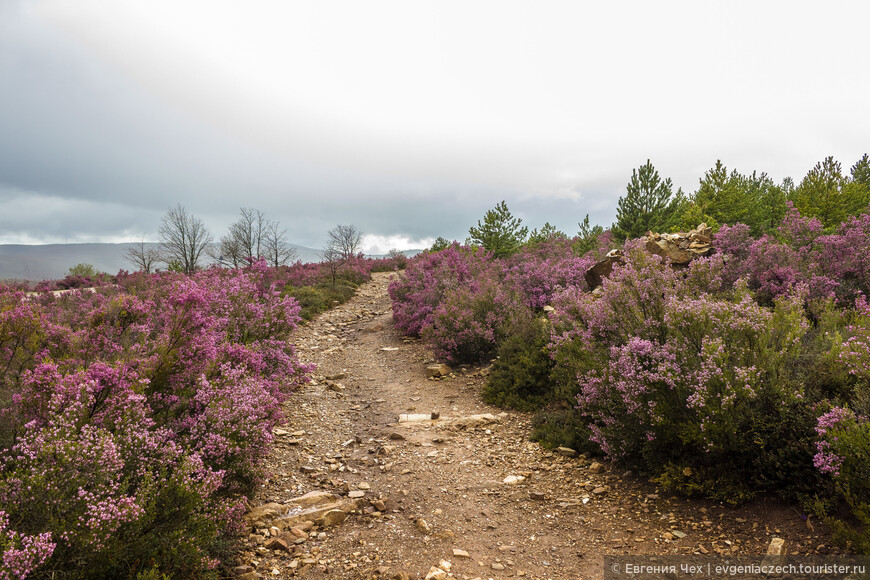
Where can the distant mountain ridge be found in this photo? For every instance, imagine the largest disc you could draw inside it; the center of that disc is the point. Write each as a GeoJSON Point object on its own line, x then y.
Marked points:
{"type": "Point", "coordinates": [53, 261]}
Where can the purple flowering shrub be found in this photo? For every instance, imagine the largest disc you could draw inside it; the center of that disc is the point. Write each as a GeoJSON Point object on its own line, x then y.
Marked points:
{"type": "Point", "coordinates": [469, 322]}
{"type": "Point", "coordinates": [843, 452]}
{"type": "Point", "coordinates": [135, 417]}
{"type": "Point", "coordinates": [428, 278]}
{"type": "Point", "coordinates": [675, 379]}
{"type": "Point", "coordinates": [834, 265]}
{"type": "Point", "coordinates": [855, 351]}
{"type": "Point", "coordinates": [460, 299]}
{"type": "Point", "coordinates": [21, 554]}
{"type": "Point", "coordinates": [537, 274]}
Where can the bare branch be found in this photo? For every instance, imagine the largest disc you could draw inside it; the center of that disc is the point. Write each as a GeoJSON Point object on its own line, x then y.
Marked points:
{"type": "Point", "coordinates": [275, 247]}
{"type": "Point", "coordinates": [345, 240]}
{"type": "Point", "coordinates": [142, 256]}
{"type": "Point", "coordinates": [183, 238]}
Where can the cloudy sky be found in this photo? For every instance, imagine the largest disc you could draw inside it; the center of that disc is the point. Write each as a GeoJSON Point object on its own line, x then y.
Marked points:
{"type": "Point", "coordinates": [408, 119]}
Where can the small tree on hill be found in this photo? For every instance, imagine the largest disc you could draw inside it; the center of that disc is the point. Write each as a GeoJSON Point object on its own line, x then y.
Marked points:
{"type": "Point", "coordinates": [861, 171]}
{"type": "Point", "coordinates": [500, 231]}
{"type": "Point", "coordinates": [547, 233]}
{"type": "Point", "coordinates": [825, 193]}
{"type": "Point", "coordinates": [440, 243]}
{"type": "Point", "coordinates": [648, 205]}
{"type": "Point", "coordinates": [245, 239]}
{"type": "Point", "coordinates": [83, 270]}
{"type": "Point", "coordinates": [587, 237]}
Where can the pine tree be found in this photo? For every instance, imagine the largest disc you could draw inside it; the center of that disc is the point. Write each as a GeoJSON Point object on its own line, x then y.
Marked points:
{"type": "Point", "coordinates": [648, 205]}
{"type": "Point", "coordinates": [821, 194]}
{"type": "Point", "coordinates": [861, 171]}
{"type": "Point", "coordinates": [500, 231]}
{"type": "Point", "coordinates": [724, 198]}
{"type": "Point", "coordinates": [587, 237]}
{"type": "Point", "coordinates": [547, 233]}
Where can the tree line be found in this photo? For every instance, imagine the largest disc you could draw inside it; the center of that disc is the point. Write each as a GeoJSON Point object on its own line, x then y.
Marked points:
{"type": "Point", "coordinates": [826, 193]}
{"type": "Point", "coordinates": [185, 242]}
{"type": "Point", "coordinates": [650, 203]}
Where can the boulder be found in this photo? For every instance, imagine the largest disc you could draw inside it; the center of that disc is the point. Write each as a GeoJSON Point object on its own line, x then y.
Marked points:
{"type": "Point", "coordinates": [679, 249]}
{"type": "Point", "coordinates": [439, 370]}
{"type": "Point", "coordinates": [602, 269]}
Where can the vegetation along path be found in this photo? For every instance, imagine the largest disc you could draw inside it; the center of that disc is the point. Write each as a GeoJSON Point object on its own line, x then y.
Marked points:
{"type": "Point", "coordinates": [466, 495]}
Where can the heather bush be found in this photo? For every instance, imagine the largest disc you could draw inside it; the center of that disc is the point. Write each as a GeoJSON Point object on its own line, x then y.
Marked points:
{"type": "Point", "coordinates": [460, 299]}
{"type": "Point", "coordinates": [843, 453]}
{"type": "Point", "coordinates": [21, 554]}
{"type": "Point", "coordinates": [426, 281]}
{"type": "Point", "coordinates": [684, 384]}
{"type": "Point", "coordinates": [470, 321]}
{"type": "Point", "coordinates": [538, 273]}
{"type": "Point", "coordinates": [831, 265]}
{"type": "Point", "coordinates": [136, 416]}
{"type": "Point", "coordinates": [395, 260]}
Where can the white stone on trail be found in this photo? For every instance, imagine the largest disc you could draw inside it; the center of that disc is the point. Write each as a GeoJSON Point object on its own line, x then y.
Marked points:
{"type": "Point", "coordinates": [414, 417]}
{"type": "Point", "coordinates": [513, 479]}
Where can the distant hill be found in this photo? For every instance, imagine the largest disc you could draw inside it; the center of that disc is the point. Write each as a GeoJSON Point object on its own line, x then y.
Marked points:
{"type": "Point", "coordinates": [52, 261]}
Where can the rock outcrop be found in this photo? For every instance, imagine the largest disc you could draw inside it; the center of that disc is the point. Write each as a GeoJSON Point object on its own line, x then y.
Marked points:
{"type": "Point", "coordinates": [678, 249]}
{"type": "Point", "coordinates": [681, 248]}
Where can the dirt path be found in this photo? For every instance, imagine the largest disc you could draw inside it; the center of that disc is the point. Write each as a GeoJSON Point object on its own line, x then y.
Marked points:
{"type": "Point", "coordinates": [437, 492]}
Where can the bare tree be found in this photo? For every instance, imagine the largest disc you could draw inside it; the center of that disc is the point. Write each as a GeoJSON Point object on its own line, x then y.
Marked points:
{"type": "Point", "coordinates": [275, 247]}
{"type": "Point", "coordinates": [333, 260]}
{"type": "Point", "coordinates": [345, 240]}
{"type": "Point", "coordinates": [246, 238]}
{"type": "Point", "coordinates": [342, 244]}
{"type": "Point", "coordinates": [143, 256]}
{"type": "Point", "coordinates": [183, 239]}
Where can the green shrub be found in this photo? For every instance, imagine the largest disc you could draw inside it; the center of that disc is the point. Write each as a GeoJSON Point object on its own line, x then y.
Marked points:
{"type": "Point", "coordinates": [320, 298]}
{"type": "Point", "coordinates": [520, 377]}
{"type": "Point", "coordinates": [560, 425]}
{"type": "Point", "coordinates": [312, 301]}
{"type": "Point", "coordinates": [844, 454]}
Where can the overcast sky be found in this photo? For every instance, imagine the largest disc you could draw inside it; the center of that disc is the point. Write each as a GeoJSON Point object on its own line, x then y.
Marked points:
{"type": "Point", "coordinates": [408, 119]}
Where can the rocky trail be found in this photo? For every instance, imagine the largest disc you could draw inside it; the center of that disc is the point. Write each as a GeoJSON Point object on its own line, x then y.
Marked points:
{"type": "Point", "coordinates": [383, 472]}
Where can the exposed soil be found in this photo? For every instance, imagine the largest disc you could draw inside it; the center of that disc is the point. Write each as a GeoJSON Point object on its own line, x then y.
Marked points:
{"type": "Point", "coordinates": [558, 522]}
